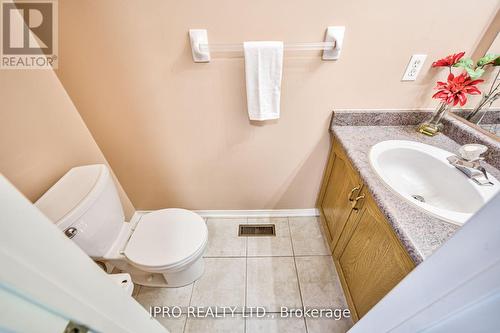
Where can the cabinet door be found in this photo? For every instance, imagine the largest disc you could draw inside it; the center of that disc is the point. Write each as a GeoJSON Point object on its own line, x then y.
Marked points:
{"type": "Point", "coordinates": [343, 186]}
{"type": "Point", "coordinates": [373, 261]}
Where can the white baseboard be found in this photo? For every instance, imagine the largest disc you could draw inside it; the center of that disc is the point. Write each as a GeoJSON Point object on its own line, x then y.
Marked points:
{"type": "Point", "coordinates": [251, 213]}
{"type": "Point", "coordinates": [259, 213]}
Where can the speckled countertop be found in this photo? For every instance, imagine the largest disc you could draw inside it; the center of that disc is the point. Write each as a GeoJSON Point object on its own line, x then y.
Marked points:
{"type": "Point", "coordinates": [420, 233]}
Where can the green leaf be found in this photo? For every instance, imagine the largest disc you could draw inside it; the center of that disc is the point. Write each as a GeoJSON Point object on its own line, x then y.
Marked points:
{"type": "Point", "coordinates": [496, 62]}
{"type": "Point", "coordinates": [465, 63]}
{"type": "Point", "coordinates": [474, 74]}
{"type": "Point", "coordinates": [487, 59]}
{"type": "Point", "coordinates": [479, 73]}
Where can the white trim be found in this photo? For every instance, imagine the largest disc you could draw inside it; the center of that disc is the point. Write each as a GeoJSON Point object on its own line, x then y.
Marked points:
{"type": "Point", "coordinates": [252, 213]}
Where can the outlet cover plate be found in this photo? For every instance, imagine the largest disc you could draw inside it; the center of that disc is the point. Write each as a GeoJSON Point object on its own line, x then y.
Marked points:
{"type": "Point", "coordinates": [414, 67]}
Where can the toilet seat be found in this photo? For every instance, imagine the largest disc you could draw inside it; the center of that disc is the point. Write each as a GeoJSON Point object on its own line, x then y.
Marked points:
{"type": "Point", "coordinates": [167, 239]}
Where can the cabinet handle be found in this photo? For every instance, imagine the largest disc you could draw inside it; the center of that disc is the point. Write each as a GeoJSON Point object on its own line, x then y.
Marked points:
{"type": "Point", "coordinates": [349, 196]}
{"type": "Point", "coordinates": [355, 202]}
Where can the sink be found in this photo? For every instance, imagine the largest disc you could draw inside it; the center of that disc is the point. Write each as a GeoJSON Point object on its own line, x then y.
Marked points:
{"type": "Point", "coordinates": [421, 174]}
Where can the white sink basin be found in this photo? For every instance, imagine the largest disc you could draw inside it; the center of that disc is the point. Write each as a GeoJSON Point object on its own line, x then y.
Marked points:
{"type": "Point", "coordinates": [421, 174]}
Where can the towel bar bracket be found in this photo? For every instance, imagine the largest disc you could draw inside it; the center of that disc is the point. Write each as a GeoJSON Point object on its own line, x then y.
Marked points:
{"type": "Point", "coordinates": [197, 38]}
{"type": "Point", "coordinates": [336, 35]}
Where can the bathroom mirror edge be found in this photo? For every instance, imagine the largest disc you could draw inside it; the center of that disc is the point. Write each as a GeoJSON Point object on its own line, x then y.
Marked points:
{"type": "Point", "coordinates": [488, 43]}
{"type": "Point", "coordinates": [476, 127]}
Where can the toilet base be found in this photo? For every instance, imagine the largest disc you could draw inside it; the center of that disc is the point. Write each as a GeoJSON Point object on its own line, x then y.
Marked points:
{"type": "Point", "coordinates": [174, 279]}
{"type": "Point", "coordinates": [186, 276]}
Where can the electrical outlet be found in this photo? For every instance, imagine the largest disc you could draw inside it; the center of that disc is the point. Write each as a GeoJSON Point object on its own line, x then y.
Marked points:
{"type": "Point", "coordinates": [414, 67]}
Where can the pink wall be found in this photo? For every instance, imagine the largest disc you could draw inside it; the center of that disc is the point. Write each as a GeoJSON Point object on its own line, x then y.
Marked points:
{"type": "Point", "coordinates": [42, 135]}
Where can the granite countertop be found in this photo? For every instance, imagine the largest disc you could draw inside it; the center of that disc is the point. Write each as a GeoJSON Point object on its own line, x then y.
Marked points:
{"type": "Point", "coordinates": [420, 233]}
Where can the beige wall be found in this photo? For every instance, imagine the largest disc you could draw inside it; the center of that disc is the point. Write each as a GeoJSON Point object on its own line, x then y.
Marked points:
{"type": "Point", "coordinates": [177, 133]}
{"type": "Point", "coordinates": [41, 133]}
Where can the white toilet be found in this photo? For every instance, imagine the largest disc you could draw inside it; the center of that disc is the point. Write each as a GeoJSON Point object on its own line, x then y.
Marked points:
{"type": "Point", "coordinates": [163, 249]}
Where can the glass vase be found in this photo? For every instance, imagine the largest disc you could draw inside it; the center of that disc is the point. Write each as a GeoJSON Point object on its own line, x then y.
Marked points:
{"type": "Point", "coordinates": [433, 125]}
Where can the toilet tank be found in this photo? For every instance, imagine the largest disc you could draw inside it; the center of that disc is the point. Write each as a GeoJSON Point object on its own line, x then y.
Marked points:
{"type": "Point", "coordinates": [85, 198]}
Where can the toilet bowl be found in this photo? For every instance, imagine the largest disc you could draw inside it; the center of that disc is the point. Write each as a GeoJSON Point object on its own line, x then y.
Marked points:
{"type": "Point", "coordinates": [163, 248]}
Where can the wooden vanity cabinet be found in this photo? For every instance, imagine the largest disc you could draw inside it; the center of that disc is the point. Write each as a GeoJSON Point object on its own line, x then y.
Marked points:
{"type": "Point", "coordinates": [342, 188]}
{"type": "Point", "coordinates": [370, 259]}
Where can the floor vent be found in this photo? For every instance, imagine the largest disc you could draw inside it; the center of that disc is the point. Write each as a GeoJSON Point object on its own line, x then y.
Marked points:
{"type": "Point", "coordinates": [256, 230]}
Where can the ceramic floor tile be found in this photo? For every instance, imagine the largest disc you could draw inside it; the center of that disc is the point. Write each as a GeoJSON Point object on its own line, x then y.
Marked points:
{"type": "Point", "coordinates": [223, 240]}
{"type": "Point", "coordinates": [269, 277]}
{"type": "Point", "coordinates": [279, 245]}
{"type": "Point", "coordinates": [272, 283]}
{"type": "Point", "coordinates": [319, 282]}
{"type": "Point", "coordinates": [275, 325]}
{"type": "Point", "coordinates": [330, 325]}
{"type": "Point", "coordinates": [222, 283]}
{"type": "Point", "coordinates": [220, 325]}
{"type": "Point", "coordinates": [174, 325]}
{"type": "Point", "coordinates": [307, 237]}
{"type": "Point", "coordinates": [149, 296]}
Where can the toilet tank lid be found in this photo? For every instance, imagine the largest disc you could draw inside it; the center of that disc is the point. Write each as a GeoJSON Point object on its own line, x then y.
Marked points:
{"type": "Point", "coordinates": [69, 198]}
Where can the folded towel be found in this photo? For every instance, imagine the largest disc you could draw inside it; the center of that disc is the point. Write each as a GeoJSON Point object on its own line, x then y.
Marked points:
{"type": "Point", "coordinates": [263, 70]}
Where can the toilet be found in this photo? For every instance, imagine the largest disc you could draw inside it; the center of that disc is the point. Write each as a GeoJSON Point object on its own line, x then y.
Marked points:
{"type": "Point", "coordinates": [163, 248]}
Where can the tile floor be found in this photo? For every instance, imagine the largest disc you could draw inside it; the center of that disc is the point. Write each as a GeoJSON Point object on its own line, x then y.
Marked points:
{"type": "Point", "coordinates": [293, 269]}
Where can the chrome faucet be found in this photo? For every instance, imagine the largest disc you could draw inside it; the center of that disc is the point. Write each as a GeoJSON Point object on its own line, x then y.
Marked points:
{"type": "Point", "coordinates": [469, 162]}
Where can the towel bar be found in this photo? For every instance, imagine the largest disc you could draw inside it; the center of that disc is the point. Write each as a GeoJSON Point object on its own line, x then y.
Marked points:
{"type": "Point", "coordinates": [331, 47]}
{"type": "Point", "coordinates": [238, 47]}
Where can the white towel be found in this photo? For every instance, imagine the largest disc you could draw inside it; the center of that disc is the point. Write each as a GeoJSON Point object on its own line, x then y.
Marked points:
{"type": "Point", "coordinates": [263, 70]}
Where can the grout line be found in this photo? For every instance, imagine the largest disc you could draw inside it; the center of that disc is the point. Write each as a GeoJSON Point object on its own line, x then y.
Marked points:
{"type": "Point", "coordinates": [189, 304]}
{"type": "Point", "coordinates": [297, 272]}
{"type": "Point", "coordinates": [222, 257]}
{"type": "Point", "coordinates": [262, 256]}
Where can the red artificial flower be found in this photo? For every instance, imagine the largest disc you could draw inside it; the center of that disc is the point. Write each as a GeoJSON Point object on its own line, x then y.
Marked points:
{"type": "Point", "coordinates": [448, 61]}
{"type": "Point", "coordinates": [455, 89]}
